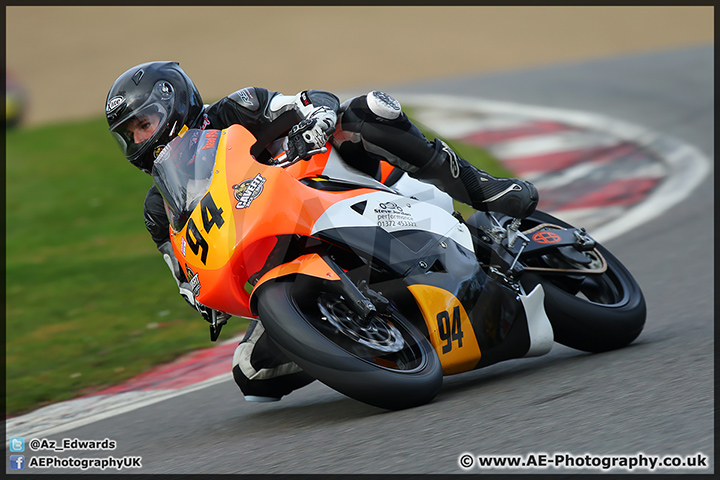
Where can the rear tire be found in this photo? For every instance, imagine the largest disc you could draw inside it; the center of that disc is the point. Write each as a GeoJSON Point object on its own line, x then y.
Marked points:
{"type": "Point", "coordinates": [406, 378]}
{"type": "Point", "coordinates": [611, 313]}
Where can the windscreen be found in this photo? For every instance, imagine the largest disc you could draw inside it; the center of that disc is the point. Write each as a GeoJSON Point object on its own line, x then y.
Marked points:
{"type": "Point", "coordinates": [183, 173]}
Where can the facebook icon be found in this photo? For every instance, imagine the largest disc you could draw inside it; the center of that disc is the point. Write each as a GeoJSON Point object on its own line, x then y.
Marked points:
{"type": "Point", "coordinates": [17, 462]}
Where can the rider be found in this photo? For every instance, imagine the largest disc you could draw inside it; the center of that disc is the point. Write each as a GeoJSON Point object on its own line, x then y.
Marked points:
{"type": "Point", "coordinates": [152, 103]}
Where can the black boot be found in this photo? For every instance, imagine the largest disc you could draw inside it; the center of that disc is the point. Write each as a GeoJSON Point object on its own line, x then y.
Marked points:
{"type": "Point", "coordinates": [262, 371]}
{"type": "Point", "coordinates": [467, 184]}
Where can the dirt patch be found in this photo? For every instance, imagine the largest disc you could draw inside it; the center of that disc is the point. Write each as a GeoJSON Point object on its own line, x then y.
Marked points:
{"type": "Point", "coordinates": [67, 57]}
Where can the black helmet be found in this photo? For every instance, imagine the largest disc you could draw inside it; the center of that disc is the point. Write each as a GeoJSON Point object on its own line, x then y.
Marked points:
{"type": "Point", "coordinates": [157, 96]}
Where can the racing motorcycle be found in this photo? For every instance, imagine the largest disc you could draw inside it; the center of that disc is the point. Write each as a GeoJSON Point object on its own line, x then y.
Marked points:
{"type": "Point", "coordinates": [377, 288]}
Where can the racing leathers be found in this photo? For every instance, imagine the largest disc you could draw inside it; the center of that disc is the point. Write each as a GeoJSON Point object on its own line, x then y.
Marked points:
{"type": "Point", "coordinates": [365, 130]}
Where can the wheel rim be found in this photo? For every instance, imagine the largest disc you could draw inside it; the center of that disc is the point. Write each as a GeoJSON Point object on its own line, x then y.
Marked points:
{"type": "Point", "coordinates": [374, 333]}
{"type": "Point", "coordinates": [606, 289]}
{"type": "Point", "coordinates": [388, 343]}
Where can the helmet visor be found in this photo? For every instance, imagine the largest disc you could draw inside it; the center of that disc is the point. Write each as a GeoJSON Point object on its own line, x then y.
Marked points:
{"type": "Point", "coordinates": [140, 129]}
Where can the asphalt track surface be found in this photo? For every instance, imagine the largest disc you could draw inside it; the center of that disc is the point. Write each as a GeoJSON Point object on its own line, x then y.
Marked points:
{"type": "Point", "coordinates": [654, 397]}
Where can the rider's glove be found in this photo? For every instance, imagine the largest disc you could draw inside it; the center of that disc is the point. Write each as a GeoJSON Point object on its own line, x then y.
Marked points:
{"type": "Point", "coordinates": [310, 135]}
{"type": "Point", "coordinates": [206, 312]}
{"type": "Point", "coordinates": [185, 289]}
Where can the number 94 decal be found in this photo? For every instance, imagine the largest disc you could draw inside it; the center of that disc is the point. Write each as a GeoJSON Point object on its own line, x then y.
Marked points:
{"type": "Point", "coordinates": [450, 331]}
{"type": "Point", "coordinates": [211, 216]}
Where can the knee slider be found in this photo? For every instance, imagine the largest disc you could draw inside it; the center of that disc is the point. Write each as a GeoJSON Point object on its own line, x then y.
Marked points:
{"type": "Point", "coordinates": [383, 105]}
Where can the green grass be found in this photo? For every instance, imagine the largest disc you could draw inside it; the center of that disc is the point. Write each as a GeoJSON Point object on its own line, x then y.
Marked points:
{"type": "Point", "coordinates": [89, 301]}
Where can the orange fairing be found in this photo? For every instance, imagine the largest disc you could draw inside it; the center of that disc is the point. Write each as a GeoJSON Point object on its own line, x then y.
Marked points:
{"type": "Point", "coordinates": [385, 171]}
{"type": "Point", "coordinates": [309, 168]}
{"type": "Point", "coordinates": [316, 166]}
{"type": "Point", "coordinates": [310, 264]}
{"type": "Point", "coordinates": [235, 226]}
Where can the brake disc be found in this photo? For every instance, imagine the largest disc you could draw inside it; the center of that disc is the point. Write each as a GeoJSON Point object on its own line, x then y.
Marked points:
{"type": "Point", "coordinates": [376, 334]}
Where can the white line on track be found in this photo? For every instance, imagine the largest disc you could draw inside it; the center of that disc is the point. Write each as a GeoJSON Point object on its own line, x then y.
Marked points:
{"type": "Point", "coordinates": [63, 416]}
{"type": "Point", "coordinates": [580, 171]}
{"type": "Point", "coordinates": [555, 142]}
{"type": "Point", "coordinates": [687, 165]}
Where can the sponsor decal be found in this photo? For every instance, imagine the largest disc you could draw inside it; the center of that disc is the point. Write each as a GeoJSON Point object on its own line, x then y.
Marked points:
{"type": "Point", "coordinates": [245, 96]}
{"type": "Point", "coordinates": [390, 206]}
{"type": "Point", "coordinates": [183, 246]}
{"type": "Point", "coordinates": [512, 188]}
{"type": "Point", "coordinates": [304, 98]}
{"type": "Point", "coordinates": [205, 122]}
{"type": "Point", "coordinates": [158, 149]}
{"type": "Point", "coordinates": [114, 103]}
{"type": "Point", "coordinates": [454, 166]}
{"type": "Point", "coordinates": [546, 237]}
{"type": "Point", "coordinates": [248, 190]}
{"type": "Point", "coordinates": [194, 280]}
{"type": "Point", "coordinates": [452, 160]}
{"type": "Point", "coordinates": [390, 214]}
{"type": "Point", "coordinates": [149, 221]}
{"type": "Point", "coordinates": [246, 99]}
{"type": "Point", "coordinates": [211, 138]}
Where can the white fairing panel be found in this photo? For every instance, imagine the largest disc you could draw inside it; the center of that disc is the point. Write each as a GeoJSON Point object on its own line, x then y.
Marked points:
{"type": "Point", "coordinates": [406, 186]}
{"type": "Point", "coordinates": [337, 169]}
{"type": "Point", "coordinates": [411, 187]}
{"type": "Point", "coordinates": [429, 209]}
{"type": "Point", "coordinates": [539, 327]}
{"type": "Point", "coordinates": [393, 213]}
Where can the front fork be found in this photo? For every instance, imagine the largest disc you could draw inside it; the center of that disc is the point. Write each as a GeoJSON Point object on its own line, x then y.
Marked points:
{"type": "Point", "coordinates": [363, 306]}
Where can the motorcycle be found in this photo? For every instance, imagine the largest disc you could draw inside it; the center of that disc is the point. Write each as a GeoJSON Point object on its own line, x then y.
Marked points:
{"type": "Point", "coordinates": [377, 288]}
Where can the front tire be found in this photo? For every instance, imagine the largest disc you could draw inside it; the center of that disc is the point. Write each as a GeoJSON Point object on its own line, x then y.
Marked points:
{"type": "Point", "coordinates": [397, 374]}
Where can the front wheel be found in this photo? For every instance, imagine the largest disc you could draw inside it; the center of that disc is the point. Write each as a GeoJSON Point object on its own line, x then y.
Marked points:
{"type": "Point", "coordinates": [385, 362]}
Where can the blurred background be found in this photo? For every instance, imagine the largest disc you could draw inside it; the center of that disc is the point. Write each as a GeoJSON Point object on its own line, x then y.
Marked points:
{"type": "Point", "coordinates": [75, 53]}
{"type": "Point", "coordinates": [89, 300]}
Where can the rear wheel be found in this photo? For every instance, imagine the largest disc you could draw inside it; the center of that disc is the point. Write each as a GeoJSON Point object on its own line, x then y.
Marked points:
{"type": "Point", "coordinates": [384, 361]}
{"type": "Point", "coordinates": [591, 312]}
